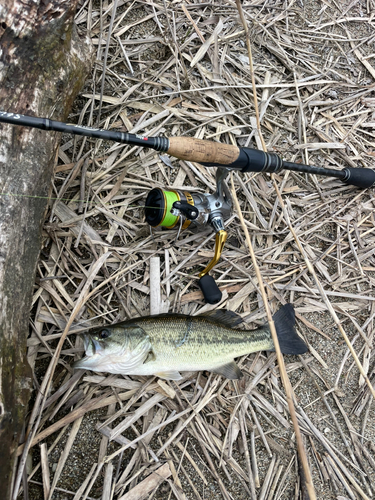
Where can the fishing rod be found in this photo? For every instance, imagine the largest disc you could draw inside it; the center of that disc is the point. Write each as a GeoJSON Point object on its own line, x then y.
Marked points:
{"type": "Point", "coordinates": [208, 153]}
{"type": "Point", "coordinates": [181, 209]}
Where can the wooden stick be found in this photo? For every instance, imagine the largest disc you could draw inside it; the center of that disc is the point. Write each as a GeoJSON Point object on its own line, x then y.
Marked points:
{"type": "Point", "coordinates": [45, 470]}
{"type": "Point", "coordinates": [106, 495]}
{"type": "Point", "coordinates": [252, 74]}
{"type": "Point", "coordinates": [280, 359]}
{"type": "Point", "coordinates": [155, 295]}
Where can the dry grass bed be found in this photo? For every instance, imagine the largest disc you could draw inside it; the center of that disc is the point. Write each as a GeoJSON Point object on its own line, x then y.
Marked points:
{"type": "Point", "coordinates": [178, 68]}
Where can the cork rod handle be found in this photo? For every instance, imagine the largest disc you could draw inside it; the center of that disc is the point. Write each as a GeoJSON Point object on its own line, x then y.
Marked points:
{"type": "Point", "coordinates": [200, 151]}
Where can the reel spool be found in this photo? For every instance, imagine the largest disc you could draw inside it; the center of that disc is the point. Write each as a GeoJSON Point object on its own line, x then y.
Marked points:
{"type": "Point", "coordinates": [168, 208]}
{"type": "Point", "coordinates": [172, 208]}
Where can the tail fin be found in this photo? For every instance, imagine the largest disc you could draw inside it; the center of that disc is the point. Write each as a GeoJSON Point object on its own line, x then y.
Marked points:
{"type": "Point", "coordinates": [289, 340]}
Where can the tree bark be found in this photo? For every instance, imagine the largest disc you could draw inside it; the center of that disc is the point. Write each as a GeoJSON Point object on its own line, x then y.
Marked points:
{"type": "Point", "coordinates": [43, 65]}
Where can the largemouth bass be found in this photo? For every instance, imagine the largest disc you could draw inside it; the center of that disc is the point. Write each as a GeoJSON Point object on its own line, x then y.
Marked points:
{"type": "Point", "coordinates": [168, 344]}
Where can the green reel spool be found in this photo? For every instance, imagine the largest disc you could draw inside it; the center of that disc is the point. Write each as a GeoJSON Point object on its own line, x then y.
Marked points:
{"type": "Point", "coordinates": [159, 208]}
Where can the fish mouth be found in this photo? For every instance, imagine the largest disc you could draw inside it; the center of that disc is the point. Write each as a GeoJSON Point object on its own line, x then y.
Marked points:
{"type": "Point", "coordinates": [85, 363]}
{"type": "Point", "coordinates": [92, 346]}
{"type": "Point", "coordinates": [86, 342]}
{"type": "Point", "coordinates": [93, 351]}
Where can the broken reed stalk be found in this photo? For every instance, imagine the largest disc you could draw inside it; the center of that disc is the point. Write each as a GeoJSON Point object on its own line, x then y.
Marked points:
{"type": "Point", "coordinates": [252, 74]}
{"type": "Point", "coordinates": [155, 296]}
{"type": "Point", "coordinates": [280, 359]}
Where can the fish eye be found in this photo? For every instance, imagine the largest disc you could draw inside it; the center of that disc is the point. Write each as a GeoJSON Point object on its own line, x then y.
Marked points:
{"type": "Point", "coordinates": [104, 334]}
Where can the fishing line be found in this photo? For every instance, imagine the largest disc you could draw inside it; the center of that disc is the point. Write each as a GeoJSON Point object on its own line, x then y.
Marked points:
{"type": "Point", "coordinates": [53, 198]}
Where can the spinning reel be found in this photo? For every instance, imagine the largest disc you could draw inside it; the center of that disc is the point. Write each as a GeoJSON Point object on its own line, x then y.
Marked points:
{"type": "Point", "coordinates": [171, 209]}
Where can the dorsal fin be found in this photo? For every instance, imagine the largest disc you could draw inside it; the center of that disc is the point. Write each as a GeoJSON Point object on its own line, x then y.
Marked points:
{"type": "Point", "coordinates": [227, 318]}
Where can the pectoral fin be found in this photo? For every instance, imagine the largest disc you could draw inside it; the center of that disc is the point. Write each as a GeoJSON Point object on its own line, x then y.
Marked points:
{"type": "Point", "coordinates": [150, 357]}
{"type": "Point", "coordinates": [230, 370]}
{"type": "Point", "coordinates": [169, 375]}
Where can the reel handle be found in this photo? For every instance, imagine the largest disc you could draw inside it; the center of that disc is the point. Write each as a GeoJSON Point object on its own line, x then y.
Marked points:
{"type": "Point", "coordinates": [210, 290]}
{"type": "Point", "coordinates": [221, 238]}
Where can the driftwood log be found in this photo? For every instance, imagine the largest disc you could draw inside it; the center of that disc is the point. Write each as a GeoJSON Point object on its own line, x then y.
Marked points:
{"type": "Point", "coordinates": [43, 65]}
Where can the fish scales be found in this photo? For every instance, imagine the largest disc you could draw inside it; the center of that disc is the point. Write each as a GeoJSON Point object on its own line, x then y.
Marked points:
{"type": "Point", "coordinates": [197, 341]}
{"type": "Point", "coordinates": [198, 332]}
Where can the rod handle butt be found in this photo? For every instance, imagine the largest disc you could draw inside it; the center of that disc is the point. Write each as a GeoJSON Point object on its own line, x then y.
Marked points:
{"type": "Point", "coordinates": [360, 177]}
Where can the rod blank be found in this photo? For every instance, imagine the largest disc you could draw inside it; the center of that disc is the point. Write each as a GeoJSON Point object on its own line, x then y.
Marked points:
{"type": "Point", "coordinates": [207, 153]}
